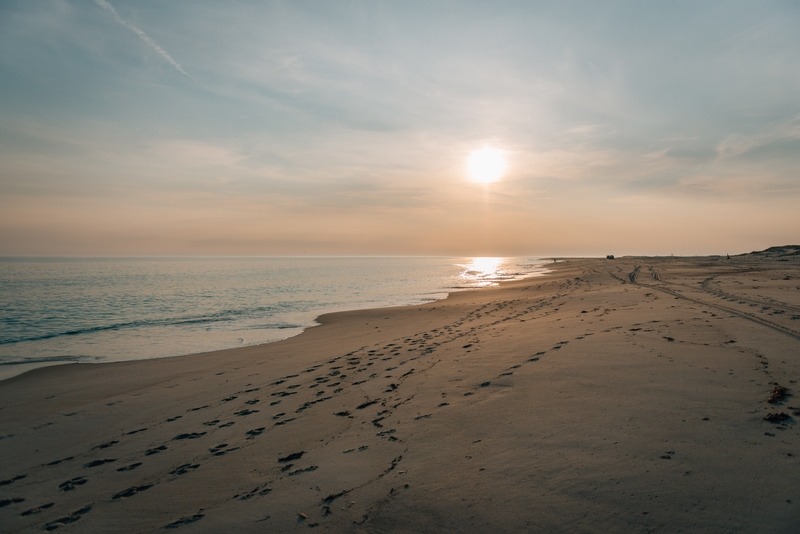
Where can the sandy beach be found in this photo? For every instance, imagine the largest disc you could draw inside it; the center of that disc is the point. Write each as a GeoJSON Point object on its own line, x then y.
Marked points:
{"type": "Point", "coordinates": [627, 395]}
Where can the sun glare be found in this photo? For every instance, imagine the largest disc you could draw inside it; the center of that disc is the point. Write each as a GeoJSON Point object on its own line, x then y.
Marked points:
{"type": "Point", "coordinates": [486, 165]}
{"type": "Point", "coordinates": [485, 266]}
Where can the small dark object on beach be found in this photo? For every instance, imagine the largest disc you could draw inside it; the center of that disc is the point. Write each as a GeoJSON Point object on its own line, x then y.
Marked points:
{"type": "Point", "coordinates": [776, 417]}
{"type": "Point", "coordinates": [777, 394]}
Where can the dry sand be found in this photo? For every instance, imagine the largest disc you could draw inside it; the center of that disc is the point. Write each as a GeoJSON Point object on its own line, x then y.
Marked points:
{"type": "Point", "coordinates": [622, 395]}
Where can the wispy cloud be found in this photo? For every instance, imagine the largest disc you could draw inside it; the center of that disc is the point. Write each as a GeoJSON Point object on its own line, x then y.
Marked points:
{"type": "Point", "coordinates": [144, 37]}
{"type": "Point", "coordinates": [737, 145]}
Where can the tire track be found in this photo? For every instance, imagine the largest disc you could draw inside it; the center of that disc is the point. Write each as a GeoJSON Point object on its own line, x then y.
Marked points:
{"type": "Point", "coordinates": [758, 320]}
{"type": "Point", "coordinates": [730, 296]}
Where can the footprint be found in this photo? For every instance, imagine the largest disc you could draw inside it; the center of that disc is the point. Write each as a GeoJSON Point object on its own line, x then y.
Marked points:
{"type": "Point", "coordinates": [256, 491]}
{"type": "Point", "coordinates": [130, 467]}
{"type": "Point", "coordinates": [96, 463]}
{"type": "Point", "coordinates": [226, 425]}
{"type": "Point", "coordinates": [193, 435]}
{"type": "Point", "coordinates": [11, 480]}
{"type": "Point", "coordinates": [7, 502]}
{"type": "Point", "coordinates": [38, 509]}
{"type": "Point", "coordinates": [198, 408]}
{"type": "Point", "coordinates": [130, 492]}
{"type": "Point", "coordinates": [305, 470]}
{"type": "Point", "coordinates": [291, 457]}
{"type": "Point", "coordinates": [171, 419]}
{"type": "Point", "coordinates": [366, 404]}
{"type": "Point", "coordinates": [255, 432]}
{"type": "Point", "coordinates": [150, 452]}
{"type": "Point", "coordinates": [105, 445]}
{"type": "Point", "coordinates": [211, 423]}
{"type": "Point", "coordinates": [284, 421]}
{"type": "Point", "coordinates": [135, 431]}
{"type": "Point", "coordinates": [186, 520]}
{"type": "Point", "coordinates": [59, 461]}
{"type": "Point", "coordinates": [183, 469]}
{"type": "Point", "coordinates": [74, 516]}
{"type": "Point", "coordinates": [245, 412]}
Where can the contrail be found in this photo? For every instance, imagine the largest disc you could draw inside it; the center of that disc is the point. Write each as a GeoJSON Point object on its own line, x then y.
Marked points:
{"type": "Point", "coordinates": [144, 37]}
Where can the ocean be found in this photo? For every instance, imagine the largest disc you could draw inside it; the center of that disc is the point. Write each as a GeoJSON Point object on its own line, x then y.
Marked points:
{"type": "Point", "coordinates": [59, 310]}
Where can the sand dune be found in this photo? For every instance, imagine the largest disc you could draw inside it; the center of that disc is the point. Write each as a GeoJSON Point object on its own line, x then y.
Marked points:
{"type": "Point", "coordinates": [627, 395]}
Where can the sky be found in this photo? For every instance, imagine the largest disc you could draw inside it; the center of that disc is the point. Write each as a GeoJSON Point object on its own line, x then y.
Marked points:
{"type": "Point", "coordinates": [155, 127]}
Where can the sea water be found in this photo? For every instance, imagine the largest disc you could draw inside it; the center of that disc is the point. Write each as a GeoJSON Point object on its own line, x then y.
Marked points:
{"type": "Point", "coordinates": [58, 310]}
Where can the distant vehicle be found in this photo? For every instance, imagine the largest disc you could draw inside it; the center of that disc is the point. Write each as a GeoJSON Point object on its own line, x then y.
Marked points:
{"type": "Point", "coordinates": [610, 257]}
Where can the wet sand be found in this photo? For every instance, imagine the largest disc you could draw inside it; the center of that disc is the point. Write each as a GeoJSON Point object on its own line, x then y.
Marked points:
{"type": "Point", "coordinates": [627, 395]}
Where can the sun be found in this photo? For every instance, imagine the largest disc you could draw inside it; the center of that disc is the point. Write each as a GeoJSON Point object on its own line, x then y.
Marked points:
{"type": "Point", "coordinates": [486, 165]}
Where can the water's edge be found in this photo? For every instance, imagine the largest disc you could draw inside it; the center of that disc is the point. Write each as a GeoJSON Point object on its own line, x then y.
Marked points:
{"type": "Point", "coordinates": [9, 370]}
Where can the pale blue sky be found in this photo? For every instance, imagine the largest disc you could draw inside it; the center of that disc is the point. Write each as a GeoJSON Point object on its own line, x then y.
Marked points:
{"type": "Point", "coordinates": [189, 127]}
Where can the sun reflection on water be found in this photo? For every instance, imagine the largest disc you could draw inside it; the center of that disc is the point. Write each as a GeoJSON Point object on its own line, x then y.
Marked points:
{"type": "Point", "coordinates": [486, 266]}
{"type": "Point", "coordinates": [484, 271]}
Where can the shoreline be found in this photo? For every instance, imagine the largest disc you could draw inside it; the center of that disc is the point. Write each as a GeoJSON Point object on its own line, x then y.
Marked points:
{"type": "Point", "coordinates": [610, 395]}
{"type": "Point", "coordinates": [9, 370]}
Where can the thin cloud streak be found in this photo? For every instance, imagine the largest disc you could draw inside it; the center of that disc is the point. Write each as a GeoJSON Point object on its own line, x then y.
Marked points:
{"type": "Point", "coordinates": [144, 37]}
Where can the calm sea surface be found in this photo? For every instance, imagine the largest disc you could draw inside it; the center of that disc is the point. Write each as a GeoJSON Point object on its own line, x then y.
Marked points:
{"type": "Point", "coordinates": [93, 310]}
